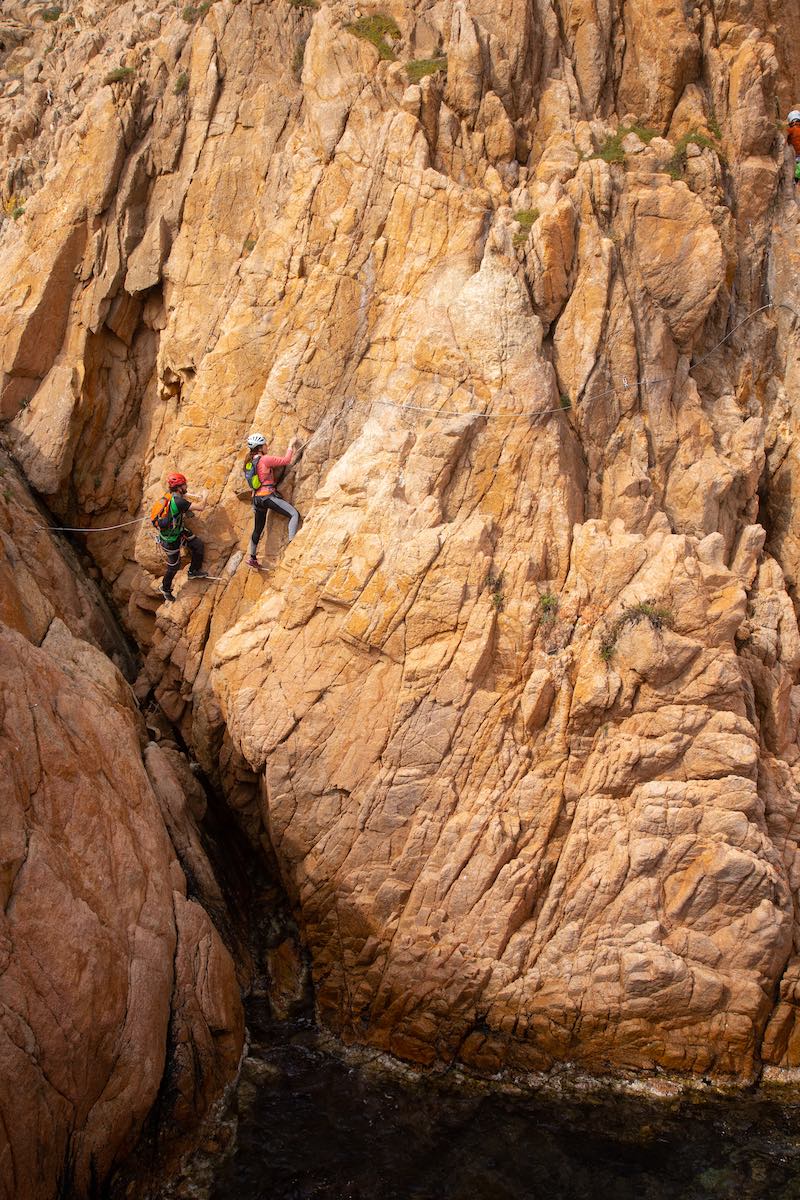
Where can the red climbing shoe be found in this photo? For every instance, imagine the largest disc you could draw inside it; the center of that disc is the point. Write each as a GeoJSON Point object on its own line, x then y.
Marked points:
{"type": "Point", "coordinates": [252, 561]}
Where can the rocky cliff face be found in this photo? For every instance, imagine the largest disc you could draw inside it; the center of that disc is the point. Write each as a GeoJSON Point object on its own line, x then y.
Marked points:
{"type": "Point", "coordinates": [517, 710]}
{"type": "Point", "coordinates": [115, 987]}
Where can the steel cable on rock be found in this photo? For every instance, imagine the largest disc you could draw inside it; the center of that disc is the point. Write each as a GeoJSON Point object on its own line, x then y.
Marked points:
{"type": "Point", "coordinates": [121, 525]}
{"type": "Point", "coordinates": [643, 382]}
{"type": "Point", "coordinates": [626, 384]}
{"type": "Point", "coordinates": [90, 528]}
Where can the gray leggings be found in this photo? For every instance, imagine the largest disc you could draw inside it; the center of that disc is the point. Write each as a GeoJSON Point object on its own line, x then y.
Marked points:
{"type": "Point", "coordinates": [261, 506]}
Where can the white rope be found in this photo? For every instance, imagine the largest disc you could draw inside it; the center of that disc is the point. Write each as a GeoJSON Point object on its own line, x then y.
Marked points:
{"type": "Point", "coordinates": [451, 412]}
{"type": "Point", "coordinates": [91, 528]}
{"type": "Point", "coordinates": [744, 321]}
{"type": "Point", "coordinates": [627, 383]}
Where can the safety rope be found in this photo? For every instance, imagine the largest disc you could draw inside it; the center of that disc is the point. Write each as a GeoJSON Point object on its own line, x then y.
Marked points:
{"type": "Point", "coordinates": [626, 383]}
{"type": "Point", "coordinates": [452, 412]}
{"type": "Point", "coordinates": [90, 528]}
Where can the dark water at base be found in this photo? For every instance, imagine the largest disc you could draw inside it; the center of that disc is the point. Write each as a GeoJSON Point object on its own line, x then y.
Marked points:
{"type": "Point", "coordinates": [314, 1127]}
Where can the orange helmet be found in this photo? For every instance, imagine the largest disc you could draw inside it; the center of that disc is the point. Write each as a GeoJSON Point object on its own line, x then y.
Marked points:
{"type": "Point", "coordinates": [176, 480]}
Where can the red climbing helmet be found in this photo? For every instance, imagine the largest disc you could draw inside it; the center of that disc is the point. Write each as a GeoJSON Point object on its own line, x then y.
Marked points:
{"type": "Point", "coordinates": [176, 480]}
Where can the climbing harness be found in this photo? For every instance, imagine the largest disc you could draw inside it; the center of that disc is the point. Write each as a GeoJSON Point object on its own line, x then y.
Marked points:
{"type": "Point", "coordinates": [168, 548]}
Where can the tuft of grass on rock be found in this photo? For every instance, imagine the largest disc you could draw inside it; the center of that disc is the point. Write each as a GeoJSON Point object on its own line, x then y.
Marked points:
{"type": "Point", "coordinates": [677, 164]}
{"type": "Point", "coordinates": [643, 132]}
{"type": "Point", "coordinates": [181, 84]}
{"type": "Point", "coordinates": [51, 14]}
{"type": "Point", "coordinates": [612, 150]}
{"type": "Point", "coordinates": [646, 610]}
{"type": "Point", "coordinates": [420, 67]}
{"type": "Point", "coordinates": [118, 75]}
{"type": "Point", "coordinates": [14, 207]}
{"type": "Point", "coordinates": [548, 603]}
{"type": "Point", "coordinates": [375, 30]}
{"type": "Point", "coordinates": [192, 12]}
{"type": "Point", "coordinates": [525, 219]}
{"type": "Point", "coordinates": [303, 4]}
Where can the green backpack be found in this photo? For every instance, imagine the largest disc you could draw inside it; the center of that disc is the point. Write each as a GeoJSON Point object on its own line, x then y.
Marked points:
{"type": "Point", "coordinates": [251, 473]}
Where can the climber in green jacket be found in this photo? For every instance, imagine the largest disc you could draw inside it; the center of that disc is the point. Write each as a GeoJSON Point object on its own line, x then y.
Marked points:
{"type": "Point", "coordinates": [168, 516]}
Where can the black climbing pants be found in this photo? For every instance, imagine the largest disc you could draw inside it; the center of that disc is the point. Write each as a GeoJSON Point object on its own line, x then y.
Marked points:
{"type": "Point", "coordinates": [276, 503]}
{"type": "Point", "coordinates": [195, 547]}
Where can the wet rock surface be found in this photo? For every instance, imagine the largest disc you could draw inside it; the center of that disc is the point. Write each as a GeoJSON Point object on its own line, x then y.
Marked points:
{"type": "Point", "coordinates": [310, 1124]}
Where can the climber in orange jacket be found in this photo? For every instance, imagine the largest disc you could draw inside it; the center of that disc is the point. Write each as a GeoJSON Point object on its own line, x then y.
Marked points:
{"type": "Point", "coordinates": [793, 138]}
{"type": "Point", "coordinates": [259, 473]}
{"type": "Point", "coordinates": [168, 517]}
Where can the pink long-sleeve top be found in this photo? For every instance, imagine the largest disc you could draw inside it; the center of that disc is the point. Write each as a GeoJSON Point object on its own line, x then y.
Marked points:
{"type": "Point", "coordinates": [264, 468]}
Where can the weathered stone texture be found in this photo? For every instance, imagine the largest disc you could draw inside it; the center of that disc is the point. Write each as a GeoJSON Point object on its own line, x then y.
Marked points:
{"type": "Point", "coordinates": [112, 981]}
{"type": "Point", "coordinates": [517, 710]}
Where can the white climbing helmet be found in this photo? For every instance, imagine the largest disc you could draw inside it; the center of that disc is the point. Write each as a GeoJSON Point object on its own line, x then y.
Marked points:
{"type": "Point", "coordinates": [258, 439]}
{"type": "Point", "coordinates": [793, 116]}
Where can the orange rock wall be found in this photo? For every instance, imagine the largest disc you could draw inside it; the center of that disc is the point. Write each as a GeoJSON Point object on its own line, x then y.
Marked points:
{"type": "Point", "coordinates": [114, 981]}
{"type": "Point", "coordinates": [517, 710]}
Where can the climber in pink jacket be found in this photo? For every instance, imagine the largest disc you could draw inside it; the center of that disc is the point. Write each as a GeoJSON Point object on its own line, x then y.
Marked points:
{"type": "Point", "coordinates": [258, 470]}
{"type": "Point", "coordinates": [793, 138]}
